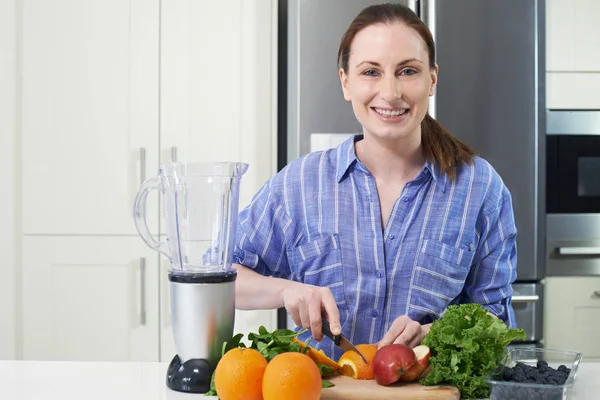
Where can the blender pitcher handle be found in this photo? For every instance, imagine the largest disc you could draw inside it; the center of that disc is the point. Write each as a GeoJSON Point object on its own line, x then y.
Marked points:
{"type": "Point", "coordinates": [139, 213]}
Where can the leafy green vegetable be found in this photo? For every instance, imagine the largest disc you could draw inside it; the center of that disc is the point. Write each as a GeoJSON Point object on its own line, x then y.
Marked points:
{"type": "Point", "coordinates": [270, 344]}
{"type": "Point", "coordinates": [466, 344]}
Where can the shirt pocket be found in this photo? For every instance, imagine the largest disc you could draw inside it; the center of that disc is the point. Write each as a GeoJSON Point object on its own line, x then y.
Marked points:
{"type": "Point", "coordinates": [319, 262]}
{"type": "Point", "coordinates": [440, 275]}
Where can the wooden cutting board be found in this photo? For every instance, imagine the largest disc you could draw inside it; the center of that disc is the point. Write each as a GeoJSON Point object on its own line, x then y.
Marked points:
{"type": "Point", "coordinates": [353, 389]}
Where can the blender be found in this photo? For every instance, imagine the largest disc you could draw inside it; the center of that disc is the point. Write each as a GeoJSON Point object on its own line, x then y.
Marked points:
{"type": "Point", "coordinates": [200, 214]}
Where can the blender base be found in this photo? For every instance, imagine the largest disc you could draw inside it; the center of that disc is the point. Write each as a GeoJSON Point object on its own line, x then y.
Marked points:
{"type": "Point", "coordinates": [193, 376]}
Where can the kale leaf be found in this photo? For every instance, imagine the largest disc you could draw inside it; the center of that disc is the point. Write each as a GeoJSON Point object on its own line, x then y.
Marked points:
{"type": "Point", "coordinates": [466, 344]}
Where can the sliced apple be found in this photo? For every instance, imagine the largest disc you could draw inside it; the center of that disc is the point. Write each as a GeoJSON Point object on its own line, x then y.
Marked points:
{"type": "Point", "coordinates": [391, 362]}
{"type": "Point", "coordinates": [422, 354]}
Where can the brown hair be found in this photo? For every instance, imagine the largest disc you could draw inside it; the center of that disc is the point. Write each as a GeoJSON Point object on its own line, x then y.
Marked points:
{"type": "Point", "coordinates": [439, 145]}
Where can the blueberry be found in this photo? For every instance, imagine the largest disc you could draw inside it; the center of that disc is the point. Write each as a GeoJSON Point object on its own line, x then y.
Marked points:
{"type": "Point", "coordinates": [562, 368]}
{"type": "Point", "coordinates": [542, 363]}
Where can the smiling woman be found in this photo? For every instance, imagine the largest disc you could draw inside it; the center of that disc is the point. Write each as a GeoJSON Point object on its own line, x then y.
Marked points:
{"type": "Point", "coordinates": [384, 232]}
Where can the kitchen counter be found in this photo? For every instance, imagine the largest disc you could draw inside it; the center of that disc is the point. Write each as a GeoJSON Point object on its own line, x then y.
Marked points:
{"type": "Point", "coordinates": [57, 380]}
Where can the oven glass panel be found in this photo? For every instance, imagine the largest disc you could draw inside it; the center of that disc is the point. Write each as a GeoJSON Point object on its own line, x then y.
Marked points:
{"type": "Point", "coordinates": [588, 180]}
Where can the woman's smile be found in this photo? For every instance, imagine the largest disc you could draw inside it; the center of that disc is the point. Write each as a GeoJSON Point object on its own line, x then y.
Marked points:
{"type": "Point", "coordinates": [391, 115]}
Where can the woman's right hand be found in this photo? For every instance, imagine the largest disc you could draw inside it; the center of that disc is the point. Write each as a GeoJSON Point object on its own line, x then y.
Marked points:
{"type": "Point", "coordinates": [307, 303]}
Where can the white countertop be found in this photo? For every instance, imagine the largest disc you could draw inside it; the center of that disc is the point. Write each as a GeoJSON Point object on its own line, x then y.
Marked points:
{"type": "Point", "coordinates": [57, 380]}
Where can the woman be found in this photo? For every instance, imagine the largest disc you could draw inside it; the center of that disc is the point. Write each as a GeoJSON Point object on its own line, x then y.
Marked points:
{"type": "Point", "coordinates": [385, 231]}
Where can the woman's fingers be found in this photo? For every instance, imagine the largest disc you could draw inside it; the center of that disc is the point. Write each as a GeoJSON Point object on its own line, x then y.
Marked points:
{"type": "Point", "coordinates": [411, 334]}
{"type": "Point", "coordinates": [331, 311]}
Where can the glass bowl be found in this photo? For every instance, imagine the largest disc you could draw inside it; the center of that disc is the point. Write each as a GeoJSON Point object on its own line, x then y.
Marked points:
{"type": "Point", "coordinates": [541, 388]}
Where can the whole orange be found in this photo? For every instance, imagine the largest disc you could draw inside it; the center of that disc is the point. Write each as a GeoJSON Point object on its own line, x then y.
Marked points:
{"type": "Point", "coordinates": [291, 376]}
{"type": "Point", "coordinates": [239, 375]}
{"type": "Point", "coordinates": [354, 366]}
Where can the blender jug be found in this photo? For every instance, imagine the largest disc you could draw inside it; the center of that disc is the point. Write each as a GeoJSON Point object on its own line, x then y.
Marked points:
{"type": "Point", "coordinates": [200, 215]}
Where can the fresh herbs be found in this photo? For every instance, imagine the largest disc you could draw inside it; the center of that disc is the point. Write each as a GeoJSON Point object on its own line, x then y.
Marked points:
{"type": "Point", "coordinates": [466, 344]}
{"type": "Point", "coordinates": [270, 344]}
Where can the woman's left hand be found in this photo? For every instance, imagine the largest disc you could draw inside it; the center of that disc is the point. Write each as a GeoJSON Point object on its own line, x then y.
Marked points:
{"type": "Point", "coordinates": [405, 331]}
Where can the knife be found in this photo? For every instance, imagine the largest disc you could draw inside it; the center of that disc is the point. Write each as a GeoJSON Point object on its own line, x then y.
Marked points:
{"type": "Point", "coordinates": [340, 340]}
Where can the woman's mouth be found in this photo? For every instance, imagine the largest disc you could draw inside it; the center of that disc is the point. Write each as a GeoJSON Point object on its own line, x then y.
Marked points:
{"type": "Point", "coordinates": [391, 114]}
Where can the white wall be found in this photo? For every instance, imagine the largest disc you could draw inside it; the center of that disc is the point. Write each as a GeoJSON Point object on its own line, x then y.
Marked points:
{"type": "Point", "coordinates": [8, 77]}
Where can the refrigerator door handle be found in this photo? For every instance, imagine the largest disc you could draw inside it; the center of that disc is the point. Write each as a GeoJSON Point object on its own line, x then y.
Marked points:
{"type": "Point", "coordinates": [525, 299]}
{"type": "Point", "coordinates": [428, 14]}
{"type": "Point", "coordinates": [579, 251]}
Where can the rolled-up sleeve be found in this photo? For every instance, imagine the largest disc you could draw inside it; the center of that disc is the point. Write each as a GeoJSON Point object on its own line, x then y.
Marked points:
{"type": "Point", "coordinates": [495, 264]}
{"type": "Point", "coordinates": [261, 235]}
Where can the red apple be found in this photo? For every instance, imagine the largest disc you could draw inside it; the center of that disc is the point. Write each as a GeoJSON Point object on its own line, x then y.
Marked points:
{"type": "Point", "coordinates": [391, 362]}
{"type": "Point", "coordinates": [422, 353]}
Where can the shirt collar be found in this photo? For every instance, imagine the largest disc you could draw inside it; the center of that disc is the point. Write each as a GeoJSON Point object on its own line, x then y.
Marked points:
{"type": "Point", "coordinates": [346, 156]}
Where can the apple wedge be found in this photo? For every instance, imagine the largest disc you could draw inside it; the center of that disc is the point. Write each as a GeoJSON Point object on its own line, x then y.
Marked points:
{"type": "Point", "coordinates": [422, 354]}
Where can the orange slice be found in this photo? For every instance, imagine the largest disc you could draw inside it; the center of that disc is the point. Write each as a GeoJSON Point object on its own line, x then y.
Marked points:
{"type": "Point", "coordinates": [353, 365]}
{"type": "Point", "coordinates": [318, 356]}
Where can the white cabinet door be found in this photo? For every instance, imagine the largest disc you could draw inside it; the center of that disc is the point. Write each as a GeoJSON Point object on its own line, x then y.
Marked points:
{"type": "Point", "coordinates": [573, 35]}
{"type": "Point", "coordinates": [218, 85]}
{"type": "Point", "coordinates": [89, 299]}
{"type": "Point", "coordinates": [572, 315]}
{"type": "Point", "coordinates": [89, 113]}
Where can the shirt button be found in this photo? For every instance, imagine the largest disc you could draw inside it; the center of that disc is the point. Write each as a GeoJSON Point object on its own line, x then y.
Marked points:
{"type": "Point", "coordinates": [374, 313]}
{"type": "Point", "coordinates": [405, 199]}
{"type": "Point", "coordinates": [392, 236]}
{"type": "Point", "coordinates": [378, 274]}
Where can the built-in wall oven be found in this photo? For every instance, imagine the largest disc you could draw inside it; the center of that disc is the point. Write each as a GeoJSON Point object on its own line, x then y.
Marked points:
{"type": "Point", "coordinates": [573, 193]}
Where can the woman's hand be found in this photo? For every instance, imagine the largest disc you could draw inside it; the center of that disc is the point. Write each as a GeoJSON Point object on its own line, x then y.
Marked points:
{"type": "Point", "coordinates": [307, 303]}
{"type": "Point", "coordinates": [405, 331]}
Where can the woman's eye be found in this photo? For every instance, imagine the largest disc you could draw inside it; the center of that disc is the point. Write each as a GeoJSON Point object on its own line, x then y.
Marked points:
{"type": "Point", "coordinates": [370, 72]}
{"type": "Point", "coordinates": [408, 71]}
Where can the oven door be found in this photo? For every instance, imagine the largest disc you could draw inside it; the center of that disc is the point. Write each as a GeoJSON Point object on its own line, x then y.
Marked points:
{"type": "Point", "coordinates": [573, 245]}
{"type": "Point", "coordinates": [527, 301]}
{"type": "Point", "coordinates": [573, 163]}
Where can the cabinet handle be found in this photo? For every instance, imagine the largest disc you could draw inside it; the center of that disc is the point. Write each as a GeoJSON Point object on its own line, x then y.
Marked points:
{"type": "Point", "coordinates": [525, 299]}
{"type": "Point", "coordinates": [174, 154]}
{"type": "Point", "coordinates": [579, 251]}
{"type": "Point", "coordinates": [596, 294]}
{"type": "Point", "coordinates": [143, 291]}
{"type": "Point", "coordinates": [142, 165]}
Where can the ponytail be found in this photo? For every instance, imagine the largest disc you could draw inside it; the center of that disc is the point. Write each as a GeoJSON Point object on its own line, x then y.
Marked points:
{"type": "Point", "coordinates": [443, 148]}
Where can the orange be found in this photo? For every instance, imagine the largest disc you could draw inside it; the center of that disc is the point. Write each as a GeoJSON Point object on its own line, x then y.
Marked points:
{"type": "Point", "coordinates": [239, 375]}
{"type": "Point", "coordinates": [353, 365]}
{"type": "Point", "coordinates": [291, 376]}
{"type": "Point", "coordinates": [318, 356]}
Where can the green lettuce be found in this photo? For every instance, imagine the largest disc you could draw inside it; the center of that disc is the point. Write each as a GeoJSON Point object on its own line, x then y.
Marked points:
{"type": "Point", "coordinates": [466, 344]}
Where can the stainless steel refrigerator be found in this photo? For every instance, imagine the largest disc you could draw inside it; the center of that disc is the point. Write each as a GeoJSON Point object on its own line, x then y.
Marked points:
{"type": "Point", "coordinates": [490, 93]}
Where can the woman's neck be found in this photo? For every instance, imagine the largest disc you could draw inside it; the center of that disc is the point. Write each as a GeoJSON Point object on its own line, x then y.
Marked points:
{"type": "Point", "coordinates": [393, 159]}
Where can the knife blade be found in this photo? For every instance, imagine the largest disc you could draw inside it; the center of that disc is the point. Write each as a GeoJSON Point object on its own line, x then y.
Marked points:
{"type": "Point", "coordinates": [340, 340]}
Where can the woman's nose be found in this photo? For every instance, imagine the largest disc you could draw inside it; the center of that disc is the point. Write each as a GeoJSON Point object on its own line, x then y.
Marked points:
{"type": "Point", "coordinates": [390, 89]}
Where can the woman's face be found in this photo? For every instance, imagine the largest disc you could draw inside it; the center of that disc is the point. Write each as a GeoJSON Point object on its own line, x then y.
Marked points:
{"type": "Point", "coordinates": [389, 80]}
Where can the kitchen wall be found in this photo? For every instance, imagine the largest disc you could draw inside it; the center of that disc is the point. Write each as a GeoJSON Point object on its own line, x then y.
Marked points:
{"type": "Point", "coordinates": [8, 206]}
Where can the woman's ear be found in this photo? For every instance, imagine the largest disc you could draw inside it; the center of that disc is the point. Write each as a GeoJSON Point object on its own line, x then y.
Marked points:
{"type": "Point", "coordinates": [344, 82]}
{"type": "Point", "coordinates": [434, 76]}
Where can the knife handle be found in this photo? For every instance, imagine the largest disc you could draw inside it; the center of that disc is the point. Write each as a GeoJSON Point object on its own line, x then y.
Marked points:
{"type": "Point", "coordinates": [327, 332]}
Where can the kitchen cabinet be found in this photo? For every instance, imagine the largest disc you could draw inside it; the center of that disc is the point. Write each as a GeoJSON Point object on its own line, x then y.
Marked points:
{"type": "Point", "coordinates": [572, 36]}
{"type": "Point", "coordinates": [108, 91]}
{"type": "Point", "coordinates": [572, 54]}
{"type": "Point", "coordinates": [89, 299]}
{"type": "Point", "coordinates": [89, 123]}
{"type": "Point", "coordinates": [572, 315]}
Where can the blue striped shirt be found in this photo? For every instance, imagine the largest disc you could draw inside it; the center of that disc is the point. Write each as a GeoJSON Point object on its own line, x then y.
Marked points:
{"type": "Point", "coordinates": [318, 221]}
